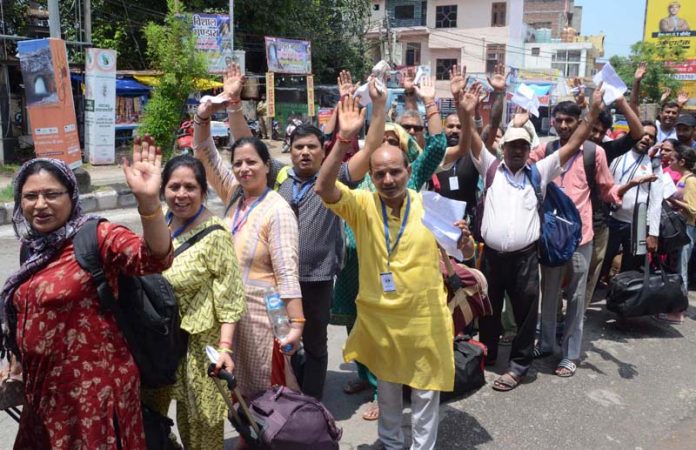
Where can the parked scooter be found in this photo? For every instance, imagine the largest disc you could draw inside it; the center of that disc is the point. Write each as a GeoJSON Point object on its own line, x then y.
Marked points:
{"type": "Point", "coordinates": [184, 139]}
{"type": "Point", "coordinates": [292, 124]}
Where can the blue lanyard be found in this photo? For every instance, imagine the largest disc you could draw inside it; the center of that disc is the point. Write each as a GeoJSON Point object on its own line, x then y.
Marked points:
{"type": "Point", "coordinates": [186, 224]}
{"type": "Point", "coordinates": [299, 193]}
{"type": "Point", "coordinates": [623, 166]}
{"type": "Point", "coordinates": [237, 225]}
{"type": "Point", "coordinates": [391, 249]}
{"type": "Point", "coordinates": [512, 182]}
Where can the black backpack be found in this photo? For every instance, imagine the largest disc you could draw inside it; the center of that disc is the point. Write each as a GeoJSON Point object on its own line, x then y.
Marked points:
{"type": "Point", "coordinates": [146, 310]}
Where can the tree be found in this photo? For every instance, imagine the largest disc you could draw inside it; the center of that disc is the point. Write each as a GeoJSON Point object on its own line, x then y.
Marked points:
{"type": "Point", "coordinates": [170, 49]}
{"type": "Point", "coordinates": [658, 76]}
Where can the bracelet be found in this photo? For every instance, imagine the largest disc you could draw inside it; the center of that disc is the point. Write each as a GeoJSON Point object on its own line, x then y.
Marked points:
{"type": "Point", "coordinates": [224, 350]}
{"type": "Point", "coordinates": [198, 120]}
{"type": "Point", "coordinates": [152, 215]}
{"type": "Point", "coordinates": [343, 140]}
{"type": "Point", "coordinates": [228, 343]}
{"type": "Point", "coordinates": [298, 320]}
{"type": "Point", "coordinates": [478, 122]}
{"type": "Point", "coordinates": [429, 104]}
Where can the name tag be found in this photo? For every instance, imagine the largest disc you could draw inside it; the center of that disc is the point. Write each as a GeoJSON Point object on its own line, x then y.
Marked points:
{"type": "Point", "coordinates": [387, 279]}
{"type": "Point", "coordinates": [454, 183]}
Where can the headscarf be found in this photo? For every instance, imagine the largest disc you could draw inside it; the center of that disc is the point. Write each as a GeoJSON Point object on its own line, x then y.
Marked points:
{"type": "Point", "coordinates": [408, 143]}
{"type": "Point", "coordinates": [42, 248]}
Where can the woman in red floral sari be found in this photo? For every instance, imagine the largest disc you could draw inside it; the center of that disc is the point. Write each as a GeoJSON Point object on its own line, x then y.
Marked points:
{"type": "Point", "coordinates": [82, 387]}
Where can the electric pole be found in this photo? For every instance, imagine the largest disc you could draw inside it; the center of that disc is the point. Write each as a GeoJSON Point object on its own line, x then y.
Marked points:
{"type": "Point", "coordinates": [88, 21]}
{"type": "Point", "coordinates": [54, 18]}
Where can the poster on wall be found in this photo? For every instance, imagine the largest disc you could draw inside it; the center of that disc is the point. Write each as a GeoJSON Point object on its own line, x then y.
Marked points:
{"type": "Point", "coordinates": [213, 39]}
{"type": "Point", "coordinates": [100, 105]}
{"type": "Point", "coordinates": [288, 56]}
{"type": "Point", "coordinates": [44, 65]}
{"type": "Point", "coordinates": [270, 94]}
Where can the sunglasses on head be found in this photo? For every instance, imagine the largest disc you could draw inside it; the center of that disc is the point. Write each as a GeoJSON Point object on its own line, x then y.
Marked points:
{"type": "Point", "coordinates": [416, 128]}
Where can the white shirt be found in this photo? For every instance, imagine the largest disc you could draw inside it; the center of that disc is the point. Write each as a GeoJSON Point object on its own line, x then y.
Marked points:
{"type": "Point", "coordinates": [510, 217]}
{"type": "Point", "coordinates": [632, 165]}
{"type": "Point", "coordinates": [662, 135]}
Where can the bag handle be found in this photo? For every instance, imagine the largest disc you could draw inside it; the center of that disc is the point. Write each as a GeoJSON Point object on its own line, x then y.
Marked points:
{"type": "Point", "coordinates": [459, 298]}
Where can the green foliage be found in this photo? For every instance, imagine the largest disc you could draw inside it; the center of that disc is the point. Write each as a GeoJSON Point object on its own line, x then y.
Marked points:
{"type": "Point", "coordinates": [657, 77]}
{"type": "Point", "coordinates": [170, 49]}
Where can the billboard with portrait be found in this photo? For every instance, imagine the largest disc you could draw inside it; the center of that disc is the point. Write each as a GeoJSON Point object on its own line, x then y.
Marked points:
{"type": "Point", "coordinates": [672, 23]}
{"type": "Point", "coordinates": [213, 39]}
{"type": "Point", "coordinates": [288, 56]}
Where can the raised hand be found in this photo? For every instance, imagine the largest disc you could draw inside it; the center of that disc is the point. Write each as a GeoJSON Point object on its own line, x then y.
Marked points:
{"type": "Point", "coordinates": [409, 87]}
{"type": "Point", "coordinates": [233, 83]}
{"type": "Point", "coordinates": [457, 80]}
{"type": "Point", "coordinates": [345, 83]}
{"type": "Point", "coordinates": [665, 94]}
{"type": "Point", "coordinates": [144, 174]}
{"type": "Point", "coordinates": [597, 101]}
{"type": "Point", "coordinates": [579, 93]}
{"type": "Point", "coordinates": [640, 71]}
{"type": "Point", "coordinates": [378, 97]}
{"type": "Point", "coordinates": [469, 99]}
{"type": "Point", "coordinates": [497, 79]}
{"type": "Point", "coordinates": [426, 90]}
{"type": "Point", "coordinates": [350, 117]}
{"type": "Point", "coordinates": [520, 118]}
{"type": "Point", "coordinates": [682, 98]}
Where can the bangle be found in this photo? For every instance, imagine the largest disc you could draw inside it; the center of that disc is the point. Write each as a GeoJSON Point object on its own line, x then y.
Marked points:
{"type": "Point", "coordinates": [224, 350]}
{"type": "Point", "coordinates": [343, 140]}
{"type": "Point", "coordinates": [228, 343]}
{"type": "Point", "coordinates": [478, 122]}
{"type": "Point", "coordinates": [152, 215]}
{"type": "Point", "coordinates": [298, 320]}
{"type": "Point", "coordinates": [429, 104]}
{"type": "Point", "coordinates": [199, 120]}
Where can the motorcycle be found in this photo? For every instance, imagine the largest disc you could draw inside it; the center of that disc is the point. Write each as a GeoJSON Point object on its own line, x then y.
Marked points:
{"type": "Point", "coordinates": [254, 127]}
{"type": "Point", "coordinates": [275, 130]}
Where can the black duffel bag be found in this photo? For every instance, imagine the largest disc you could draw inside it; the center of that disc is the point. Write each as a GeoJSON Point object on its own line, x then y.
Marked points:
{"type": "Point", "coordinates": [638, 293]}
{"type": "Point", "coordinates": [469, 358]}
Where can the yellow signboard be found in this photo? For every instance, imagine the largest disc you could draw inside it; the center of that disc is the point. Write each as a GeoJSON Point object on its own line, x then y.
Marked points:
{"type": "Point", "coordinates": [672, 24]}
{"type": "Point", "coordinates": [270, 94]}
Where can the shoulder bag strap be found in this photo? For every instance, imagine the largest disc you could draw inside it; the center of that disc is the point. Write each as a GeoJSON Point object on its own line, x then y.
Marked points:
{"type": "Point", "coordinates": [197, 237]}
{"type": "Point", "coordinates": [589, 159]}
{"type": "Point", "coordinates": [86, 248]}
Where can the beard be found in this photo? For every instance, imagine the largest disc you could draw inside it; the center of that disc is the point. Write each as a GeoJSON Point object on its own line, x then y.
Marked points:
{"type": "Point", "coordinates": [452, 139]}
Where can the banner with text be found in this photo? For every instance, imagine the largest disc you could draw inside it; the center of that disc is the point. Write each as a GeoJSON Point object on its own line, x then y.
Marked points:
{"type": "Point", "coordinates": [310, 96]}
{"type": "Point", "coordinates": [288, 56]}
{"type": "Point", "coordinates": [213, 39]}
{"type": "Point", "coordinates": [49, 97]}
{"type": "Point", "coordinates": [270, 94]}
{"type": "Point", "coordinates": [100, 105]}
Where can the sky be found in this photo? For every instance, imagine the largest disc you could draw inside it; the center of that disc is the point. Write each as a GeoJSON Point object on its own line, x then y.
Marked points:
{"type": "Point", "coordinates": [620, 20]}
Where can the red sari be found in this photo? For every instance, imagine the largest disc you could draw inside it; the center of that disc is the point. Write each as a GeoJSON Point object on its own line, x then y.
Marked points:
{"type": "Point", "coordinates": [80, 378]}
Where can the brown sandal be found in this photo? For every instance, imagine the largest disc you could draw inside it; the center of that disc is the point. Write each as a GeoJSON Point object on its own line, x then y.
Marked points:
{"type": "Point", "coordinates": [371, 412]}
{"type": "Point", "coordinates": [506, 382]}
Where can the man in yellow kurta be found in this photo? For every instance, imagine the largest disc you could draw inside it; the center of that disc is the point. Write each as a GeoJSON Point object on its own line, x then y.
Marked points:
{"type": "Point", "coordinates": [403, 332]}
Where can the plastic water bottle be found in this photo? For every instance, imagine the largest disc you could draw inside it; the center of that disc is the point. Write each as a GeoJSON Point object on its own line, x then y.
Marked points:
{"type": "Point", "coordinates": [278, 316]}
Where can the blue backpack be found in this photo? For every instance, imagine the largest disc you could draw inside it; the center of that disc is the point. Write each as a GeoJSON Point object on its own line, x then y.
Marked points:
{"type": "Point", "coordinates": [561, 227]}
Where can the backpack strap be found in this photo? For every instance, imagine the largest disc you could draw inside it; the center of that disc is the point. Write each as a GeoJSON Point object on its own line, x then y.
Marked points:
{"type": "Point", "coordinates": [589, 157]}
{"type": "Point", "coordinates": [197, 237]}
{"type": "Point", "coordinates": [86, 248]}
{"type": "Point", "coordinates": [535, 180]}
{"type": "Point", "coordinates": [551, 147]}
{"type": "Point", "coordinates": [490, 174]}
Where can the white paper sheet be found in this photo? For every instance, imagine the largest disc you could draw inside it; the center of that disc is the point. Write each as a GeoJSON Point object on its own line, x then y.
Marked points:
{"type": "Point", "coordinates": [613, 84]}
{"type": "Point", "coordinates": [668, 186]}
{"type": "Point", "coordinates": [440, 215]}
{"type": "Point", "coordinates": [527, 99]}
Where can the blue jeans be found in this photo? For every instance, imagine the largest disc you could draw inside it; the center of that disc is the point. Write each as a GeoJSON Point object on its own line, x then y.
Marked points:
{"type": "Point", "coordinates": [683, 264]}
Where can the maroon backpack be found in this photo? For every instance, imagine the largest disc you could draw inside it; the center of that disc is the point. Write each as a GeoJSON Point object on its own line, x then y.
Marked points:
{"type": "Point", "coordinates": [293, 421]}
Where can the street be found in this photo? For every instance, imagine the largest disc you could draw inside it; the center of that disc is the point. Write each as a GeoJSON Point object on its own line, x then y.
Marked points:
{"type": "Point", "coordinates": [634, 389]}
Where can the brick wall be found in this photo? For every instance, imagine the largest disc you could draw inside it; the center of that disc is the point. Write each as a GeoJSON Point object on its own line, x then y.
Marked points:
{"type": "Point", "coordinates": [547, 11]}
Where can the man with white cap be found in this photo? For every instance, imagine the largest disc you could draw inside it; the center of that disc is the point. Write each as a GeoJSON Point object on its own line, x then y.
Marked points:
{"type": "Point", "coordinates": [510, 228]}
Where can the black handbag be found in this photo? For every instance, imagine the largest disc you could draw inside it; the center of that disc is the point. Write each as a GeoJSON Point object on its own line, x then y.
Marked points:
{"type": "Point", "coordinates": [638, 293]}
{"type": "Point", "coordinates": [469, 357]}
{"type": "Point", "coordinates": [672, 230]}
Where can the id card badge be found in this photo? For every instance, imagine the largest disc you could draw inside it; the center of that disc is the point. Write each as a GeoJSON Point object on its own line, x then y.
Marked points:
{"type": "Point", "coordinates": [387, 279]}
{"type": "Point", "coordinates": [454, 183]}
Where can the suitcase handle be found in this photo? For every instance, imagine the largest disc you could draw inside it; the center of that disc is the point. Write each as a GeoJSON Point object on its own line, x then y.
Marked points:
{"type": "Point", "coordinates": [228, 377]}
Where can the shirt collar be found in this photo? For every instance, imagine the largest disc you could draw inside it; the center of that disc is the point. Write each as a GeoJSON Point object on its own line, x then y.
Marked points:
{"type": "Point", "coordinates": [294, 176]}
{"type": "Point", "coordinates": [504, 166]}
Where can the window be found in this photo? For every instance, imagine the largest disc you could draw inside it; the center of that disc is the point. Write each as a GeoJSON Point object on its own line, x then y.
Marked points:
{"type": "Point", "coordinates": [538, 25]}
{"type": "Point", "coordinates": [495, 53]}
{"type": "Point", "coordinates": [442, 68]}
{"type": "Point", "coordinates": [404, 12]}
{"type": "Point", "coordinates": [413, 53]}
{"type": "Point", "coordinates": [375, 7]}
{"type": "Point", "coordinates": [498, 10]}
{"type": "Point", "coordinates": [424, 13]}
{"type": "Point", "coordinates": [446, 16]}
{"type": "Point", "coordinates": [535, 51]}
{"type": "Point", "coordinates": [567, 62]}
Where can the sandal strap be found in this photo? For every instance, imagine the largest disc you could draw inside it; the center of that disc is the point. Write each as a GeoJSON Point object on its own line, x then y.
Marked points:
{"type": "Point", "coordinates": [567, 364]}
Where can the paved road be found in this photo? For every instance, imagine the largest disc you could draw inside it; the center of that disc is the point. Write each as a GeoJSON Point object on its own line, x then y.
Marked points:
{"type": "Point", "coordinates": [634, 389]}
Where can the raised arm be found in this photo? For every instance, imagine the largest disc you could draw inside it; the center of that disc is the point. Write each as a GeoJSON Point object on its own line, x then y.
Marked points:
{"type": "Point", "coordinates": [465, 109]}
{"type": "Point", "coordinates": [426, 92]}
{"type": "Point", "coordinates": [232, 90]}
{"type": "Point", "coordinates": [359, 164]}
{"type": "Point", "coordinates": [635, 89]}
{"type": "Point", "coordinates": [497, 82]}
{"type": "Point", "coordinates": [410, 99]}
{"type": "Point", "coordinates": [350, 119]}
{"type": "Point", "coordinates": [635, 127]}
{"type": "Point", "coordinates": [582, 132]}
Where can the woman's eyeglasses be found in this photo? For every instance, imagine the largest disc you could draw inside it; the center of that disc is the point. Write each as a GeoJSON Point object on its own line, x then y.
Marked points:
{"type": "Point", "coordinates": [48, 196]}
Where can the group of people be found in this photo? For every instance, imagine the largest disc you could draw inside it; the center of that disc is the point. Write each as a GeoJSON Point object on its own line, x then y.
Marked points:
{"type": "Point", "coordinates": [338, 234]}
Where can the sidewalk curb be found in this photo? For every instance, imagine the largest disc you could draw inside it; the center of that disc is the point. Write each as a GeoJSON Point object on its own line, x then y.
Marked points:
{"type": "Point", "coordinates": [103, 200]}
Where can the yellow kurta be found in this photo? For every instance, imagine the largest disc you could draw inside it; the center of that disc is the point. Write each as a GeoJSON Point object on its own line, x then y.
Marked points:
{"type": "Point", "coordinates": [402, 337]}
